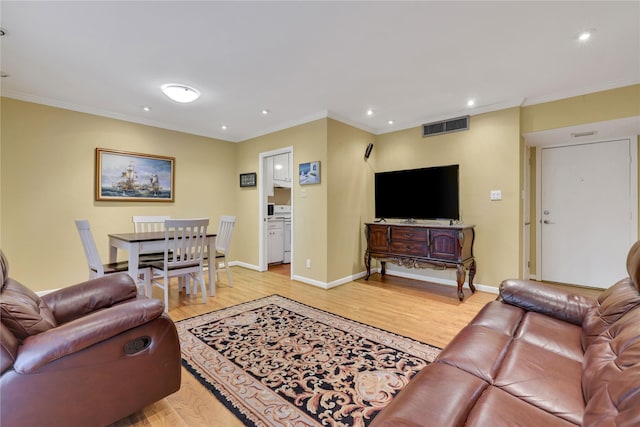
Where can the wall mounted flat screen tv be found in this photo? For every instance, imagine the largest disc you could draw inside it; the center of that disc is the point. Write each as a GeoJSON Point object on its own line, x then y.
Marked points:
{"type": "Point", "coordinates": [426, 193]}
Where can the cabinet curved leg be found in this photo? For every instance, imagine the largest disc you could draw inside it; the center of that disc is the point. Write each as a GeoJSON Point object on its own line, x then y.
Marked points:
{"type": "Point", "coordinates": [383, 269]}
{"type": "Point", "coordinates": [460, 275]}
{"type": "Point", "coordinates": [367, 264]}
{"type": "Point", "coordinates": [472, 274]}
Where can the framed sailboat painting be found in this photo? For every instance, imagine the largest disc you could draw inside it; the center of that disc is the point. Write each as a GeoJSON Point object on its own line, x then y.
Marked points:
{"type": "Point", "coordinates": [134, 177]}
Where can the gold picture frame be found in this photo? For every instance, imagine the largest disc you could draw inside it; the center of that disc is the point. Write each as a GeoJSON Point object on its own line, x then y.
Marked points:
{"type": "Point", "coordinates": [134, 177]}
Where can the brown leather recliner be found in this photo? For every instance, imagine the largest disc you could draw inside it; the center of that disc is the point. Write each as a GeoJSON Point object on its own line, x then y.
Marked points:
{"type": "Point", "coordinates": [85, 355]}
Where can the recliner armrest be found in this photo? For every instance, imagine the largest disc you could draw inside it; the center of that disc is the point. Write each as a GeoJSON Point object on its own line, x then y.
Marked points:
{"type": "Point", "coordinates": [76, 301]}
{"type": "Point", "coordinates": [38, 350]}
{"type": "Point", "coordinates": [535, 296]}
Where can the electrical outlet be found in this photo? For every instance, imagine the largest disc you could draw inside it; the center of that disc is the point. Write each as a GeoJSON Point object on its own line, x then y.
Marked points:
{"type": "Point", "coordinates": [308, 262]}
{"type": "Point", "coordinates": [495, 195]}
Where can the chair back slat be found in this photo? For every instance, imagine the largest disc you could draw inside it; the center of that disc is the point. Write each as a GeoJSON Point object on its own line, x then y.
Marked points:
{"type": "Point", "coordinates": [185, 241]}
{"type": "Point", "coordinates": [146, 223]}
{"type": "Point", "coordinates": [89, 246]}
{"type": "Point", "coordinates": [223, 237]}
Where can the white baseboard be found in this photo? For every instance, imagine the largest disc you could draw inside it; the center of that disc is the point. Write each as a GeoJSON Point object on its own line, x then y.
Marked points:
{"type": "Point", "coordinates": [333, 284]}
{"type": "Point", "coordinates": [244, 264]}
{"type": "Point", "coordinates": [439, 280]}
{"type": "Point", "coordinates": [347, 279]}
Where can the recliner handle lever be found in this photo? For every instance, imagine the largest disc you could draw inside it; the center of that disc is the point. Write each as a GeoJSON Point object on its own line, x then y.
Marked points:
{"type": "Point", "coordinates": [137, 345]}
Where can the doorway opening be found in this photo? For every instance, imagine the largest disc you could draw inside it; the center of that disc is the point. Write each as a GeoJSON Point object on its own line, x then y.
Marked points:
{"type": "Point", "coordinates": [276, 210]}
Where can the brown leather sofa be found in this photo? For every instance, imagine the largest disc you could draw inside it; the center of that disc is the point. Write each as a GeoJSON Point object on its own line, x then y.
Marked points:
{"type": "Point", "coordinates": [538, 356]}
{"type": "Point", "coordinates": [85, 355]}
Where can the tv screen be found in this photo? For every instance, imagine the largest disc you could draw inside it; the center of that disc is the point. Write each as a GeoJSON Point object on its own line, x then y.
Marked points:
{"type": "Point", "coordinates": [427, 193]}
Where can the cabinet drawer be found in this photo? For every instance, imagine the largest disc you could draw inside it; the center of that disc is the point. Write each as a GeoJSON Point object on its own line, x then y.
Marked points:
{"type": "Point", "coordinates": [409, 233]}
{"type": "Point", "coordinates": [409, 248]}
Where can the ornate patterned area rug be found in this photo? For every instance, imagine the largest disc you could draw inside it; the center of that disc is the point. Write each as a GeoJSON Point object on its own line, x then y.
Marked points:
{"type": "Point", "coordinates": [278, 362]}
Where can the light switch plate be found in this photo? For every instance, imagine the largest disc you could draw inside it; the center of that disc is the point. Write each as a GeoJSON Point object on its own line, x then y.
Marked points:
{"type": "Point", "coordinates": [496, 195]}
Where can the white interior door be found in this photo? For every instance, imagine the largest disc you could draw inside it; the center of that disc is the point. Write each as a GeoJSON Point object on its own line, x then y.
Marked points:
{"type": "Point", "coordinates": [587, 211]}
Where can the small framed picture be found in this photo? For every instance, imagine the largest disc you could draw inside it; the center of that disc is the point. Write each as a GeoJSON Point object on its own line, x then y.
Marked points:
{"type": "Point", "coordinates": [248, 179]}
{"type": "Point", "coordinates": [309, 173]}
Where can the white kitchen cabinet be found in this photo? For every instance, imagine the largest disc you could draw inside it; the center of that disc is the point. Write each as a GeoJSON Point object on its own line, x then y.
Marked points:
{"type": "Point", "coordinates": [282, 170]}
{"type": "Point", "coordinates": [275, 241]}
{"type": "Point", "coordinates": [269, 175]}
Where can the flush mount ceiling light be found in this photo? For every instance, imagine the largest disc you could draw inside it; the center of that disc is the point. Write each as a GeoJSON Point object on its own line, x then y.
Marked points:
{"type": "Point", "coordinates": [369, 112]}
{"type": "Point", "coordinates": [265, 112]}
{"type": "Point", "coordinates": [180, 93]}
{"type": "Point", "coordinates": [471, 103]}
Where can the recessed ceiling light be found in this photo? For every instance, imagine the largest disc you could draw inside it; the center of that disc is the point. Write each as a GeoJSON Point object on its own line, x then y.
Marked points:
{"type": "Point", "coordinates": [146, 108]}
{"type": "Point", "coordinates": [223, 127]}
{"type": "Point", "coordinates": [264, 112]}
{"type": "Point", "coordinates": [180, 93]}
{"type": "Point", "coordinates": [390, 122]}
{"type": "Point", "coordinates": [471, 103]}
{"type": "Point", "coordinates": [369, 112]}
{"type": "Point", "coordinates": [586, 35]}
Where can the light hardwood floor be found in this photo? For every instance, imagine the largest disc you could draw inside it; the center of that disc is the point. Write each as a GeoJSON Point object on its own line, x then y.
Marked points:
{"type": "Point", "coordinates": [427, 312]}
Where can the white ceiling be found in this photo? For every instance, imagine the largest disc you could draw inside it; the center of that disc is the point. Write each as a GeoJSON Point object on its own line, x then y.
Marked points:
{"type": "Point", "coordinates": [411, 62]}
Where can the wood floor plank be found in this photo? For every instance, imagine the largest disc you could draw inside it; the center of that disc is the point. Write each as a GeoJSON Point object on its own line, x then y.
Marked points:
{"type": "Point", "coordinates": [424, 311]}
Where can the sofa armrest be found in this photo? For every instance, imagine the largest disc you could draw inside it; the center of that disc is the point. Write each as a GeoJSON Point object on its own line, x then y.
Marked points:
{"type": "Point", "coordinates": [78, 300]}
{"type": "Point", "coordinates": [559, 303]}
{"type": "Point", "coordinates": [38, 350]}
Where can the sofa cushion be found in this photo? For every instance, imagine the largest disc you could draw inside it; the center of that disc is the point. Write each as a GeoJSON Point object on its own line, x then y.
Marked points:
{"type": "Point", "coordinates": [551, 334]}
{"type": "Point", "coordinates": [611, 366]}
{"type": "Point", "coordinates": [544, 379]}
{"type": "Point", "coordinates": [8, 348]}
{"type": "Point", "coordinates": [633, 264]}
{"type": "Point", "coordinates": [613, 304]}
{"type": "Point", "coordinates": [496, 408]}
{"type": "Point", "coordinates": [4, 269]}
{"type": "Point", "coordinates": [440, 395]}
{"type": "Point", "coordinates": [23, 312]}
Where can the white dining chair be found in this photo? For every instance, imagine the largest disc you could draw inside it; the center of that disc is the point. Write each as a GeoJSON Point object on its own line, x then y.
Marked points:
{"type": "Point", "coordinates": [223, 240]}
{"type": "Point", "coordinates": [96, 267]}
{"type": "Point", "coordinates": [146, 223]}
{"type": "Point", "coordinates": [185, 240]}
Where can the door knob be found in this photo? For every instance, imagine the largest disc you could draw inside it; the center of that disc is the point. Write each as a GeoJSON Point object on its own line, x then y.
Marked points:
{"type": "Point", "coordinates": [546, 221]}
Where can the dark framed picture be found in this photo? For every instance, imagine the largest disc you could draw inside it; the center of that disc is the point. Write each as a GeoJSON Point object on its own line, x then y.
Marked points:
{"type": "Point", "coordinates": [134, 177]}
{"type": "Point", "coordinates": [309, 173]}
{"type": "Point", "coordinates": [248, 179]}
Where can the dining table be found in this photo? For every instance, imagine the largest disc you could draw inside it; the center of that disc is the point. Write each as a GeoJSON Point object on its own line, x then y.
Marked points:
{"type": "Point", "coordinates": [136, 244]}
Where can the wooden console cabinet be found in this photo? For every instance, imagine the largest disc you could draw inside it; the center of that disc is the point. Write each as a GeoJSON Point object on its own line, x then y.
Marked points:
{"type": "Point", "coordinates": [423, 246]}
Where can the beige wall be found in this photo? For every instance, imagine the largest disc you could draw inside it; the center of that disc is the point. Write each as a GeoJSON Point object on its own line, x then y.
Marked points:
{"type": "Point", "coordinates": [47, 180]}
{"type": "Point", "coordinates": [350, 201]}
{"type": "Point", "coordinates": [489, 157]}
{"type": "Point", "coordinates": [48, 157]}
{"type": "Point", "coordinates": [591, 108]}
{"type": "Point", "coordinates": [309, 142]}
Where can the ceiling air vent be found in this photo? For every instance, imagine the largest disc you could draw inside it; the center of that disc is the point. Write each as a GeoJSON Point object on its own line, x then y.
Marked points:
{"type": "Point", "coordinates": [446, 126]}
